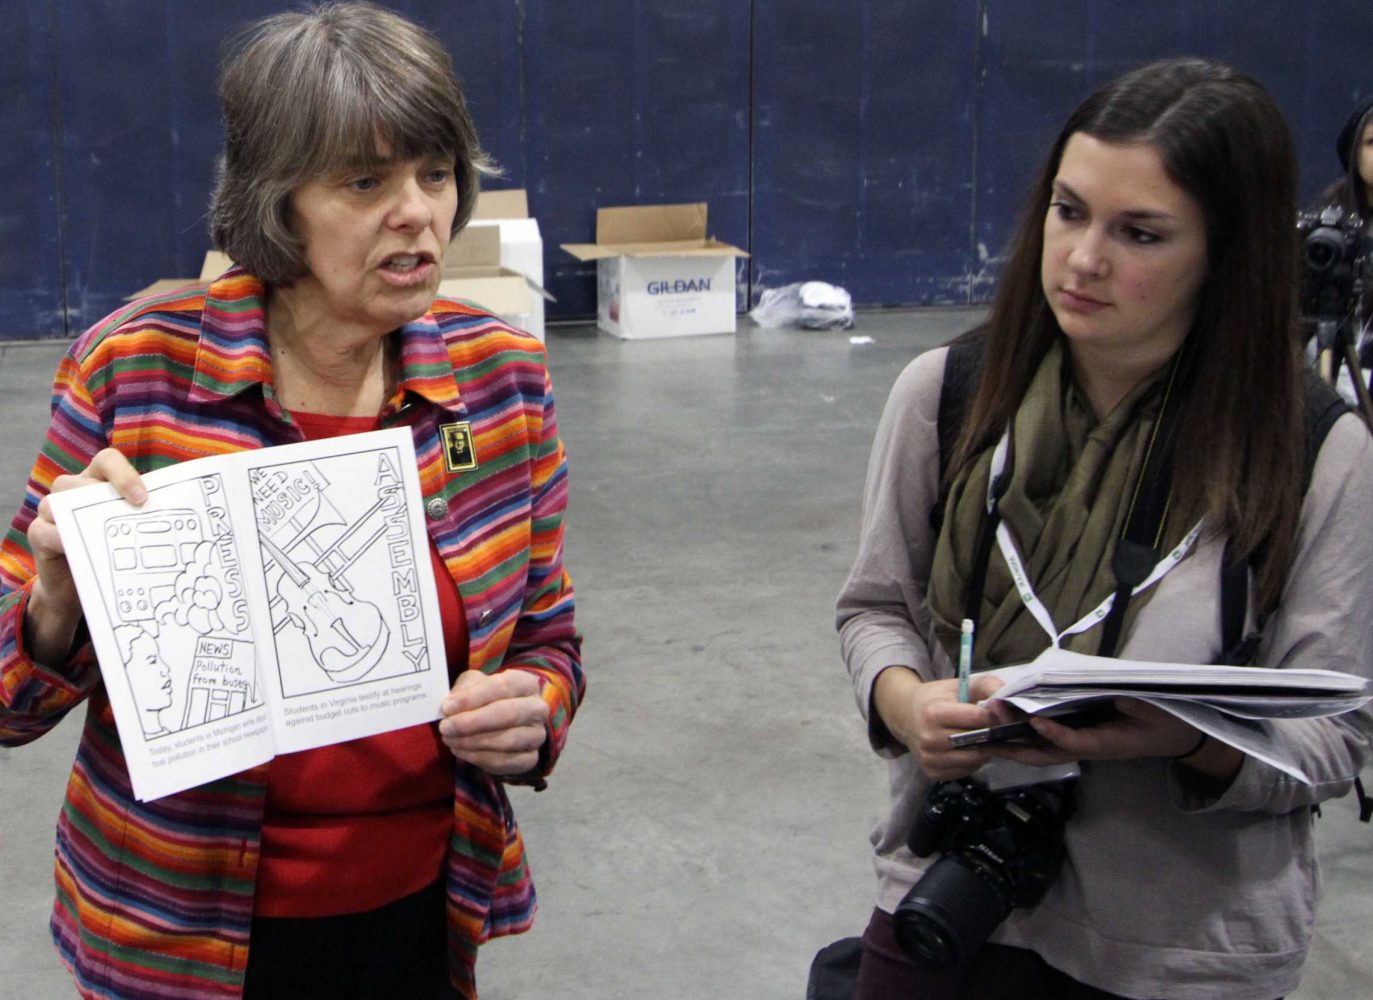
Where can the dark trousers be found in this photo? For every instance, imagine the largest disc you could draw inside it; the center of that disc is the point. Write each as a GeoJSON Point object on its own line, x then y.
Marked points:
{"type": "Point", "coordinates": [997, 972]}
{"type": "Point", "coordinates": [397, 950]}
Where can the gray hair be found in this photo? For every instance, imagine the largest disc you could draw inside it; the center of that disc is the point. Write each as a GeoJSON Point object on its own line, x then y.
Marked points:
{"type": "Point", "coordinates": [311, 92]}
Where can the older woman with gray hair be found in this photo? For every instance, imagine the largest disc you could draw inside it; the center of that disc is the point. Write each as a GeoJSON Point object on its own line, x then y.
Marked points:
{"type": "Point", "coordinates": [374, 867]}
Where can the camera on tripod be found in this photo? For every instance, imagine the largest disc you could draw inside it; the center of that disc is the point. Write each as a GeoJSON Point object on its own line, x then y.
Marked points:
{"type": "Point", "coordinates": [1336, 265]}
{"type": "Point", "coordinates": [1336, 258]}
{"type": "Point", "coordinates": [1001, 849]}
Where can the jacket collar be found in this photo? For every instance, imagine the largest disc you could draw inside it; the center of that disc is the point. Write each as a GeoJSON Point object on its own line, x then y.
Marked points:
{"type": "Point", "coordinates": [234, 353]}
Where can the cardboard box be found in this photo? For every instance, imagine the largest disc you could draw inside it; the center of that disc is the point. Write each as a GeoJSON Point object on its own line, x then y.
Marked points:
{"type": "Point", "coordinates": [472, 271]}
{"type": "Point", "coordinates": [521, 245]}
{"type": "Point", "coordinates": [507, 203]}
{"type": "Point", "coordinates": [214, 264]}
{"type": "Point", "coordinates": [658, 274]}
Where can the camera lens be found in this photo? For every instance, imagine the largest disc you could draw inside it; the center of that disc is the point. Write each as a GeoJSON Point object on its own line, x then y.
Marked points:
{"type": "Point", "coordinates": [951, 911]}
{"type": "Point", "coordinates": [1323, 249]}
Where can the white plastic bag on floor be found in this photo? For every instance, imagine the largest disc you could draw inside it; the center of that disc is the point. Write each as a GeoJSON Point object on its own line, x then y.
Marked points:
{"type": "Point", "coordinates": [811, 305]}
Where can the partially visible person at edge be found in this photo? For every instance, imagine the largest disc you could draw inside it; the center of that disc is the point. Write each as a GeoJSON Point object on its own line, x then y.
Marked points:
{"type": "Point", "coordinates": [1352, 193]}
{"type": "Point", "coordinates": [1155, 267]}
{"type": "Point", "coordinates": [1353, 189]}
{"type": "Point", "coordinates": [372, 868]}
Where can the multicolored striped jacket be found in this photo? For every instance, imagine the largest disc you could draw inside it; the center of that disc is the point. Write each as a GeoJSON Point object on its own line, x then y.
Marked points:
{"type": "Point", "coordinates": [154, 899]}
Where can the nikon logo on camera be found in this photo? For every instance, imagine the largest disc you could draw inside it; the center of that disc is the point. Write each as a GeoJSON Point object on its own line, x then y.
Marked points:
{"type": "Point", "coordinates": [678, 286]}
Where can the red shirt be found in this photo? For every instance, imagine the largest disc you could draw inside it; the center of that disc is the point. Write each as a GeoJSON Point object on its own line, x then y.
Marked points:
{"type": "Point", "coordinates": [353, 826]}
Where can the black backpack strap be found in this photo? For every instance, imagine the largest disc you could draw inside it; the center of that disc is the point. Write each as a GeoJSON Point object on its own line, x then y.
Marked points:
{"type": "Point", "coordinates": [962, 366]}
{"type": "Point", "coordinates": [1322, 406]}
{"type": "Point", "coordinates": [1238, 649]}
{"type": "Point", "coordinates": [1365, 803]}
{"type": "Point", "coordinates": [1138, 550]}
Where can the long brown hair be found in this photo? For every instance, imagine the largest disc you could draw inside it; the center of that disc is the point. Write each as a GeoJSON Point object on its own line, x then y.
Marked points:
{"type": "Point", "coordinates": [1240, 458]}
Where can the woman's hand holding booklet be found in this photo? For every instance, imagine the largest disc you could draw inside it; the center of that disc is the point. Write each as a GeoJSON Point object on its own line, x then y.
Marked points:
{"type": "Point", "coordinates": [1231, 704]}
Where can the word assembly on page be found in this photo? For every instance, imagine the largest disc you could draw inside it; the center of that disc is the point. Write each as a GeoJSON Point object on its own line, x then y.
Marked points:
{"type": "Point", "coordinates": [259, 603]}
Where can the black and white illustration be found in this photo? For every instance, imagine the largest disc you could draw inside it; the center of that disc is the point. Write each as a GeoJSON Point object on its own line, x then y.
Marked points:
{"type": "Point", "coordinates": [341, 571]}
{"type": "Point", "coordinates": [173, 590]}
{"type": "Point", "coordinates": [258, 603]}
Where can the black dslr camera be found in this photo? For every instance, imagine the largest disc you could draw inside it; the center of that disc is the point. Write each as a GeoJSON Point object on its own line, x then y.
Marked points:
{"type": "Point", "coordinates": [1001, 849]}
{"type": "Point", "coordinates": [1335, 258]}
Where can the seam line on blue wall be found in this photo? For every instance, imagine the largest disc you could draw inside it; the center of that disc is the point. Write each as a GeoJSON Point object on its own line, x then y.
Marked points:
{"type": "Point", "coordinates": [979, 86]}
{"type": "Point", "coordinates": [523, 98]}
{"type": "Point", "coordinates": [58, 163]}
{"type": "Point", "coordinates": [752, 114]}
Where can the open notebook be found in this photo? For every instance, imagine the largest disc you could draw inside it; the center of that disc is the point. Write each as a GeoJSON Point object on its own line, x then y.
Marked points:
{"type": "Point", "coordinates": [1236, 705]}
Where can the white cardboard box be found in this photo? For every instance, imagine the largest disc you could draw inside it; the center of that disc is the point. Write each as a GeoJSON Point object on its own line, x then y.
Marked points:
{"type": "Point", "coordinates": [521, 247]}
{"type": "Point", "coordinates": [472, 272]}
{"type": "Point", "coordinates": [658, 274]}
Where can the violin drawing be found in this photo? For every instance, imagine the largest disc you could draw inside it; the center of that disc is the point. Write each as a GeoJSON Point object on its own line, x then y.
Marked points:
{"type": "Point", "coordinates": [347, 636]}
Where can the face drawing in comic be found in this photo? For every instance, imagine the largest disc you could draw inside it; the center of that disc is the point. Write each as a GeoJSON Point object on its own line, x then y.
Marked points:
{"type": "Point", "coordinates": [343, 607]}
{"type": "Point", "coordinates": [150, 678]}
{"type": "Point", "coordinates": [178, 589]}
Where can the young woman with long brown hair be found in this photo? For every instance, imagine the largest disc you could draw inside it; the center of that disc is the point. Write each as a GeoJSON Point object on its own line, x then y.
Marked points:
{"type": "Point", "coordinates": [1151, 284]}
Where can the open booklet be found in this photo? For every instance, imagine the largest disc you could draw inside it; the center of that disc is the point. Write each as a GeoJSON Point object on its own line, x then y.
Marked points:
{"type": "Point", "coordinates": [1232, 704]}
{"type": "Point", "coordinates": [259, 603]}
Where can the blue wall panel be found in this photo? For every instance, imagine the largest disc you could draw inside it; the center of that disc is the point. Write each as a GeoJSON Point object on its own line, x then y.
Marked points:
{"type": "Point", "coordinates": [30, 236]}
{"type": "Point", "coordinates": [633, 102]}
{"type": "Point", "coordinates": [1040, 60]}
{"type": "Point", "coordinates": [880, 144]}
{"type": "Point", "coordinates": [140, 131]}
{"type": "Point", "coordinates": [484, 39]}
{"type": "Point", "coordinates": [863, 145]}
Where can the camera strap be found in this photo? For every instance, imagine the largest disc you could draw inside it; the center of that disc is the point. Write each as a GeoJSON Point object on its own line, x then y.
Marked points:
{"type": "Point", "coordinates": [1136, 560]}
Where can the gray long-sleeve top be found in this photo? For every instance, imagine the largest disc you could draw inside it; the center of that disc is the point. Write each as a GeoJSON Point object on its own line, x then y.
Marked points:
{"type": "Point", "coordinates": [1166, 891]}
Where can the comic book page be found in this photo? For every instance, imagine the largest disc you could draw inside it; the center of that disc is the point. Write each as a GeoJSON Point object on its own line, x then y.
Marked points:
{"type": "Point", "coordinates": [259, 603]}
{"type": "Point", "coordinates": [168, 606]}
{"type": "Point", "coordinates": [353, 644]}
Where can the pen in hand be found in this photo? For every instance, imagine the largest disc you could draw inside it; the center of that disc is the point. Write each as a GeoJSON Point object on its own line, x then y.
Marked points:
{"type": "Point", "coordinates": [965, 658]}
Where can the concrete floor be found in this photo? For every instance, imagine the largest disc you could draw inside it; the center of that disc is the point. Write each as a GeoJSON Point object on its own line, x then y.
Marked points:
{"type": "Point", "coordinates": [707, 828]}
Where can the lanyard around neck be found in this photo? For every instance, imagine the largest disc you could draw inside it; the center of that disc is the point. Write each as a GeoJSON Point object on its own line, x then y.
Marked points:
{"type": "Point", "coordinates": [997, 480]}
{"type": "Point", "coordinates": [1006, 542]}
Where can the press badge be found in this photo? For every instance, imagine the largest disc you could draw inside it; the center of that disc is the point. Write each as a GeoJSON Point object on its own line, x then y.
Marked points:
{"type": "Point", "coordinates": [459, 451]}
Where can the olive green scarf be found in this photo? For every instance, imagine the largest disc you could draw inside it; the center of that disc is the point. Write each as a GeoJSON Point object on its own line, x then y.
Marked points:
{"type": "Point", "coordinates": [1066, 505]}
